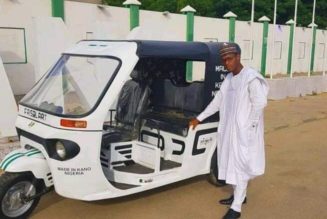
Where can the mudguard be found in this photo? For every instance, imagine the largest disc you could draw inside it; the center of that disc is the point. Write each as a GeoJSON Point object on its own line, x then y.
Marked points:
{"type": "Point", "coordinates": [32, 160]}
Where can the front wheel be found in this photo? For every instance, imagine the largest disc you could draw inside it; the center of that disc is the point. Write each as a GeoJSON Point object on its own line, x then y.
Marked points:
{"type": "Point", "coordinates": [213, 175]}
{"type": "Point", "coordinates": [15, 189]}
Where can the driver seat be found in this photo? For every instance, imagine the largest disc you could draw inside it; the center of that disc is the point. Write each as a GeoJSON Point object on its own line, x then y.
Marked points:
{"type": "Point", "coordinates": [132, 101]}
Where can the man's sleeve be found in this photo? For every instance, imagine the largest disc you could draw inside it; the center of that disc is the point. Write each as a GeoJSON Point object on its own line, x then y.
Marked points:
{"type": "Point", "coordinates": [212, 108]}
{"type": "Point", "coordinates": [258, 100]}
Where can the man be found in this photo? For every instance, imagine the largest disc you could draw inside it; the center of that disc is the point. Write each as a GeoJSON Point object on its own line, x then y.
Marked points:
{"type": "Point", "coordinates": [240, 142]}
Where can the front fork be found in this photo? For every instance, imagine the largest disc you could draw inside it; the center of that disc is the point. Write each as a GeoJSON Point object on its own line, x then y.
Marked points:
{"type": "Point", "coordinates": [27, 197]}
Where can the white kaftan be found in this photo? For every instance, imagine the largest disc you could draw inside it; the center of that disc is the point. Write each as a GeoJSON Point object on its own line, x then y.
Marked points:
{"type": "Point", "coordinates": [240, 144]}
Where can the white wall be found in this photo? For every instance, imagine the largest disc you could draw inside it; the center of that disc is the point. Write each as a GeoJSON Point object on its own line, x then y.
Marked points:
{"type": "Point", "coordinates": [85, 20]}
{"type": "Point", "coordinates": [9, 112]}
{"type": "Point", "coordinates": [321, 50]}
{"type": "Point", "coordinates": [51, 39]}
{"type": "Point", "coordinates": [278, 56]}
{"type": "Point", "coordinates": [251, 54]}
{"type": "Point", "coordinates": [88, 21]}
{"type": "Point", "coordinates": [19, 14]}
{"type": "Point", "coordinates": [302, 43]}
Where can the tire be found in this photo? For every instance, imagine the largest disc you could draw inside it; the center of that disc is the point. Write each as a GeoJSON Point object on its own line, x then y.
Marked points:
{"type": "Point", "coordinates": [12, 186]}
{"type": "Point", "coordinates": [213, 175]}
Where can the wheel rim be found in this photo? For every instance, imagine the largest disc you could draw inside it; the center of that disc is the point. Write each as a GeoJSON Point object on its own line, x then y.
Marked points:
{"type": "Point", "coordinates": [13, 204]}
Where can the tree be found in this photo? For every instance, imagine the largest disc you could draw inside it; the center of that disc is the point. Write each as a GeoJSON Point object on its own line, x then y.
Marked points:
{"type": "Point", "coordinates": [214, 8]}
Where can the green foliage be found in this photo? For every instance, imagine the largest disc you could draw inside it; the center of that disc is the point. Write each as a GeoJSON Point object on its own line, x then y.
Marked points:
{"type": "Point", "coordinates": [217, 8]}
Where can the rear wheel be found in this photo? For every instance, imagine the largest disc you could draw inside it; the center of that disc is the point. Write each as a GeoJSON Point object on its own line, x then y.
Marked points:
{"type": "Point", "coordinates": [15, 189]}
{"type": "Point", "coordinates": [213, 175]}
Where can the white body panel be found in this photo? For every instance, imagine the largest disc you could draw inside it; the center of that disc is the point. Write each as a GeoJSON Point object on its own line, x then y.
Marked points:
{"type": "Point", "coordinates": [23, 160]}
{"type": "Point", "coordinates": [191, 165]}
{"type": "Point", "coordinates": [82, 177]}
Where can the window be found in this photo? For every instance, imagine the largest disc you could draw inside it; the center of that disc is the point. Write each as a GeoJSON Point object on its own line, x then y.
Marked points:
{"type": "Point", "coordinates": [198, 71]}
{"type": "Point", "coordinates": [13, 45]}
{"type": "Point", "coordinates": [73, 86]}
{"type": "Point", "coordinates": [247, 50]}
{"type": "Point", "coordinates": [301, 50]}
{"type": "Point", "coordinates": [278, 49]}
{"type": "Point", "coordinates": [321, 50]}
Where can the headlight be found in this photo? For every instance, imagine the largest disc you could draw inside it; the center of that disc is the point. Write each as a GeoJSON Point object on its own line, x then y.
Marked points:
{"type": "Point", "coordinates": [60, 149]}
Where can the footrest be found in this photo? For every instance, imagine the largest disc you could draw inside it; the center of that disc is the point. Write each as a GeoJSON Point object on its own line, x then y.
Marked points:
{"type": "Point", "coordinates": [168, 164]}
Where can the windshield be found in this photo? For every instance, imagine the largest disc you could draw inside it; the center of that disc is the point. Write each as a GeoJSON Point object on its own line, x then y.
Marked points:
{"type": "Point", "coordinates": [73, 86]}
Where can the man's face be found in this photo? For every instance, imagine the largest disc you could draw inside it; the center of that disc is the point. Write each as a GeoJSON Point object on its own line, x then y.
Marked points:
{"type": "Point", "coordinates": [231, 61]}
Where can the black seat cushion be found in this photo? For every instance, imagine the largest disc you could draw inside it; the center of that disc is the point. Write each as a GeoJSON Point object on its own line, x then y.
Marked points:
{"type": "Point", "coordinates": [128, 102]}
{"type": "Point", "coordinates": [167, 122]}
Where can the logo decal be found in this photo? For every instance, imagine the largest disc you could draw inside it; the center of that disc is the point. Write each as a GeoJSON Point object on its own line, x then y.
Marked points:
{"type": "Point", "coordinates": [31, 124]}
{"type": "Point", "coordinates": [35, 114]}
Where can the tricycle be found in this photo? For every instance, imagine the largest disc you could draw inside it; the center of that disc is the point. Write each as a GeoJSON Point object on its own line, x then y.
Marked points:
{"type": "Point", "coordinates": [110, 119]}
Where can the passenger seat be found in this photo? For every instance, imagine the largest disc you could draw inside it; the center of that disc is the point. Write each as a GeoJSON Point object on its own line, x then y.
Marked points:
{"type": "Point", "coordinates": [172, 107]}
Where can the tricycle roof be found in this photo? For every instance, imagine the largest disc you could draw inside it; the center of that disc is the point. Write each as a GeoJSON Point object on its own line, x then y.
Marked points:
{"type": "Point", "coordinates": [147, 48]}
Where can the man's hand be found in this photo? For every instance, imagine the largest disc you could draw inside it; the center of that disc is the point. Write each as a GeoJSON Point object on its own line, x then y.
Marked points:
{"type": "Point", "coordinates": [193, 123]}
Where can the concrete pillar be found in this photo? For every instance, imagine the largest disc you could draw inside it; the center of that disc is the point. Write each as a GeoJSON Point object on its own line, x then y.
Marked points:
{"type": "Point", "coordinates": [325, 54]}
{"type": "Point", "coordinates": [189, 11]}
{"type": "Point", "coordinates": [58, 8]}
{"type": "Point", "coordinates": [313, 46]}
{"type": "Point", "coordinates": [290, 46]}
{"type": "Point", "coordinates": [265, 21]}
{"type": "Point", "coordinates": [134, 12]}
{"type": "Point", "coordinates": [232, 20]}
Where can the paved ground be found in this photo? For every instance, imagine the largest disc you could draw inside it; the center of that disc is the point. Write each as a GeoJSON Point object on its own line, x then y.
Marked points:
{"type": "Point", "coordinates": [294, 186]}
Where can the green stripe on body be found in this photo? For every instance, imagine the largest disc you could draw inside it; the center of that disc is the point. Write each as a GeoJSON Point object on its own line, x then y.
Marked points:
{"type": "Point", "coordinates": [4, 161]}
{"type": "Point", "coordinates": [36, 152]}
{"type": "Point", "coordinates": [31, 151]}
{"type": "Point", "coordinates": [11, 160]}
{"type": "Point", "coordinates": [15, 156]}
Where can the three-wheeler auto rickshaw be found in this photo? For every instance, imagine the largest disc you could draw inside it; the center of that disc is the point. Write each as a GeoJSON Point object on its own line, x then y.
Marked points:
{"type": "Point", "coordinates": [110, 119]}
